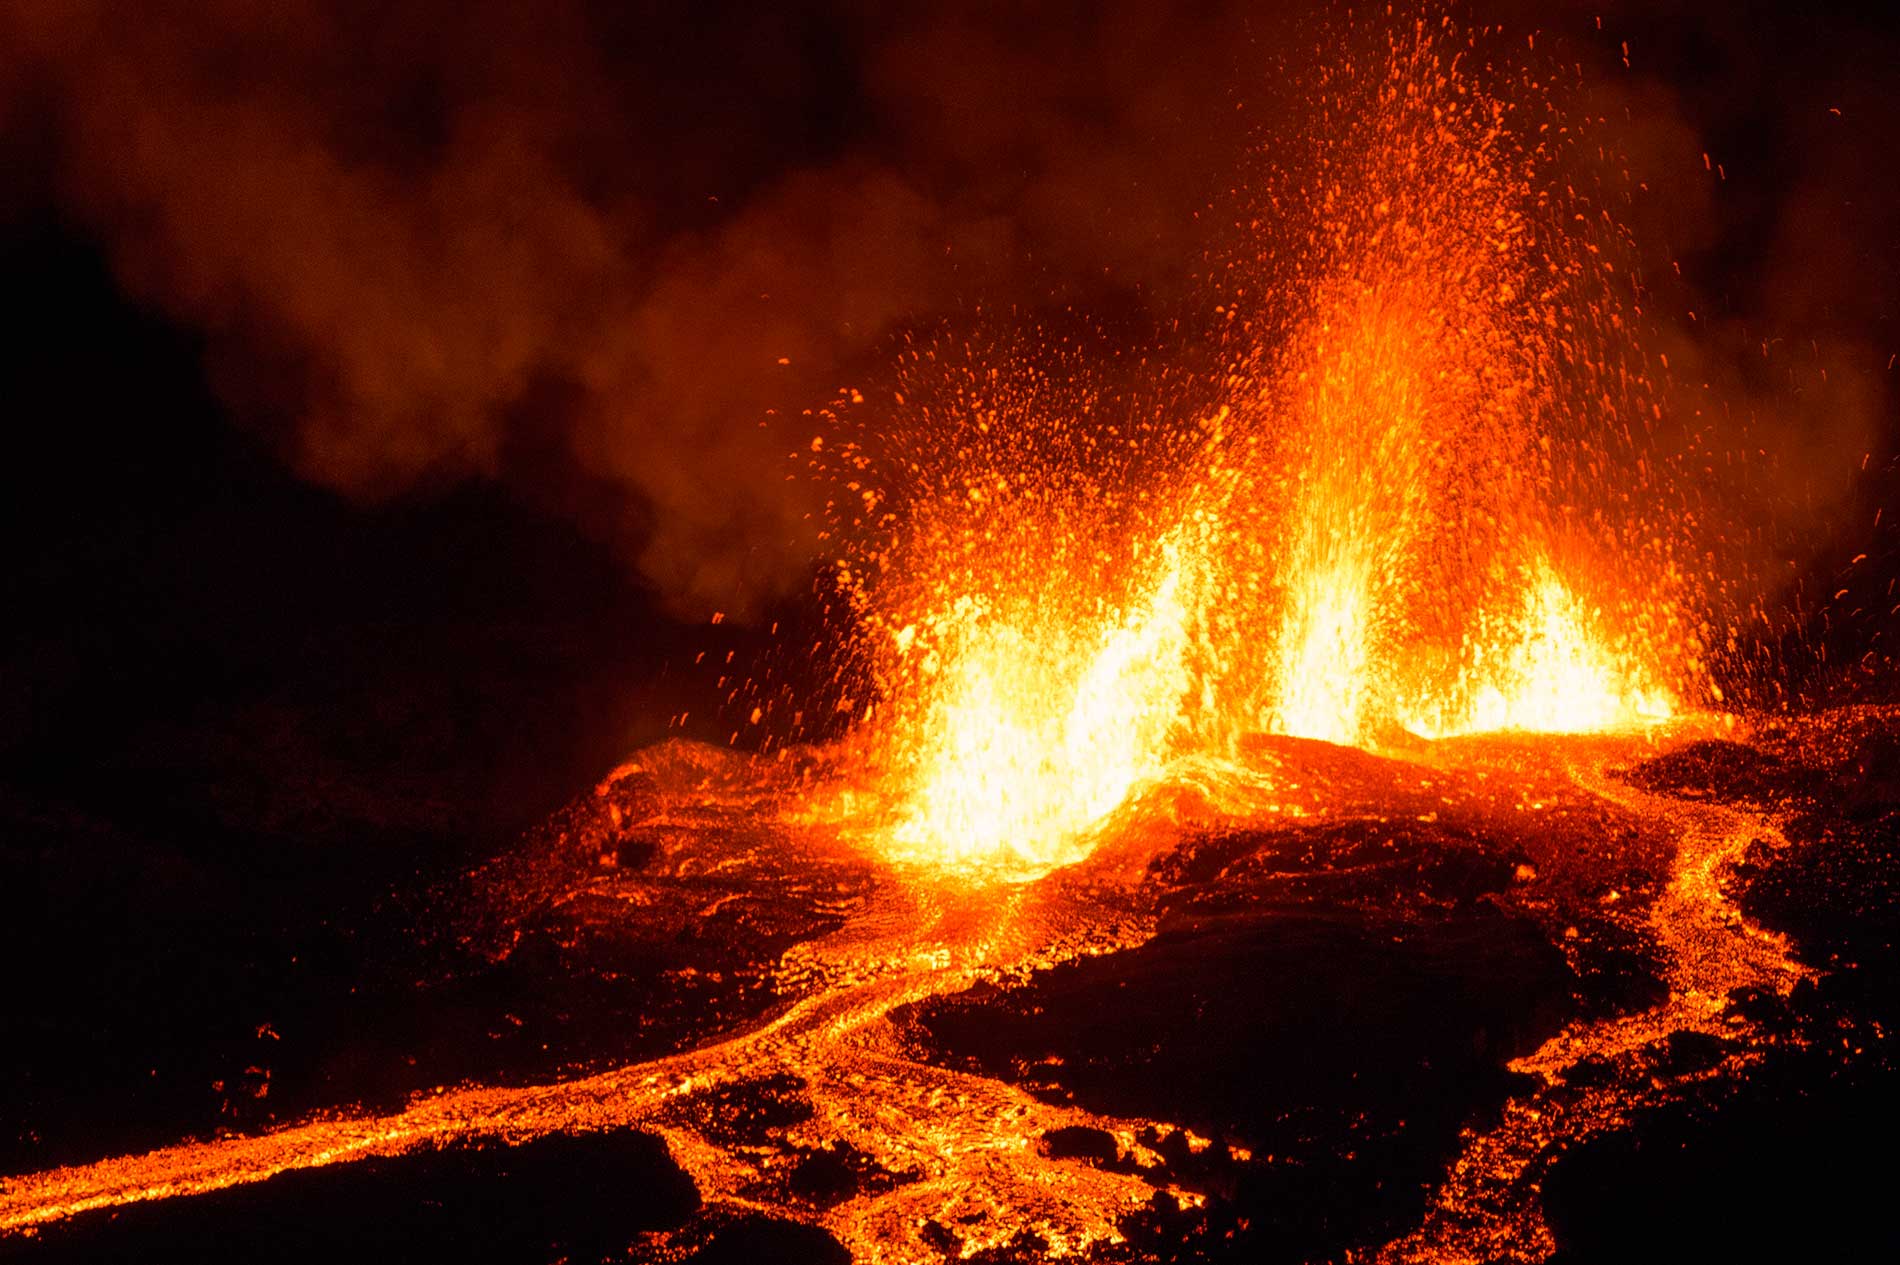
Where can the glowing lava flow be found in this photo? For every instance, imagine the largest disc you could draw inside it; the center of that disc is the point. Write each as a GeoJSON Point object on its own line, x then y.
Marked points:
{"type": "Point", "coordinates": [1324, 651]}
{"type": "Point", "coordinates": [1489, 1209]}
{"type": "Point", "coordinates": [967, 1143]}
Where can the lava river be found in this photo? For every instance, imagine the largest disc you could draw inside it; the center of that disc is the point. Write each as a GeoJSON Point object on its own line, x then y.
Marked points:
{"type": "Point", "coordinates": [966, 1157]}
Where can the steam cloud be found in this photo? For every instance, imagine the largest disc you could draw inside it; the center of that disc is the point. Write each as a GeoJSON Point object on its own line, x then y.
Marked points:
{"type": "Point", "coordinates": [589, 250]}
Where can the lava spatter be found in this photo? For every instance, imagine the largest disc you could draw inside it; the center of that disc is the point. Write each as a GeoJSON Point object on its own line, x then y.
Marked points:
{"type": "Point", "coordinates": [1372, 523]}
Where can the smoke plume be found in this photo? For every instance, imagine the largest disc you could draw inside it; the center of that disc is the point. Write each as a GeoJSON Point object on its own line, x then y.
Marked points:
{"type": "Point", "coordinates": [597, 253]}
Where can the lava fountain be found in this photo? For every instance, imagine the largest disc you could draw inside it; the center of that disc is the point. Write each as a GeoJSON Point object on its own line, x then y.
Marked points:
{"type": "Point", "coordinates": [1410, 502]}
{"type": "Point", "coordinates": [1031, 622]}
{"type": "Point", "coordinates": [1388, 514]}
{"type": "Point", "coordinates": [1032, 738]}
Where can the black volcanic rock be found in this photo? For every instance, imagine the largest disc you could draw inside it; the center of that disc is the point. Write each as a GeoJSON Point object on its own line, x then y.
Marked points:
{"type": "Point", "coordinates": [597, 940]}
{"type": "Point", "coordinates": [1729, 772]}
{"type": "Point", "coordinates": [755, 1240]}
{"type": "Point", "coordinates": [1344, 1051]}
{"type": "Point", "coordinates": [1835, 889]}
{"type": "Point", "coordinates": [1783, 1159]}
{"type": "Point", "coordinates": [1346, 862]}
{"type": "Point", "coordinates": [1834, 782]}
{"type": "Point", "coordinates": [1787, 1161]}
{"type": "Point", "coordinates": [748, 1112]}
{"type": "Point", "coordinates": [1078, 1142]}
{"type": "Point", "coordinates": [831, 1174]}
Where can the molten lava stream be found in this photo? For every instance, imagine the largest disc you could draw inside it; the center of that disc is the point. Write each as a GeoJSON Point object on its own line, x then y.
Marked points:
{"type": "Point", "coordinates": [1489, 1208]}
{"type": "Point", "coordinates": [970, 1142]}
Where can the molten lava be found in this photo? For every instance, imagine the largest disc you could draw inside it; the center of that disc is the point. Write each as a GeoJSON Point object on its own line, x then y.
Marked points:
{"type": "Point", "coordinates": [1425, 409]}
{"type": "Point", "coordinates": [1032, 735]}
{"type": "Point", "coordinates": [1546, 668]}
